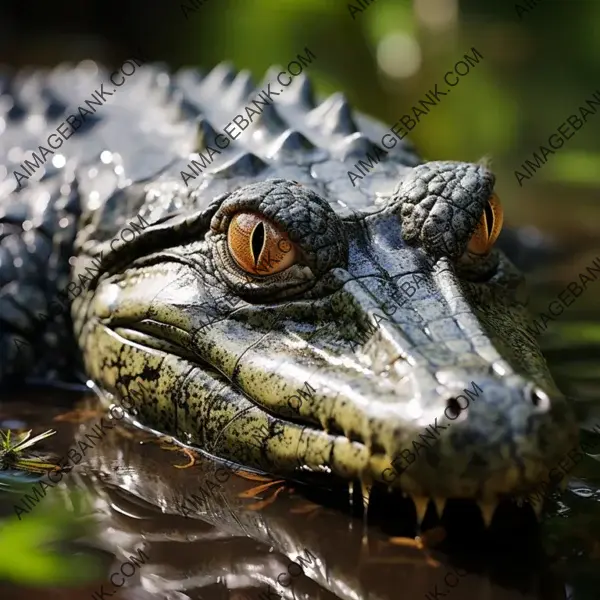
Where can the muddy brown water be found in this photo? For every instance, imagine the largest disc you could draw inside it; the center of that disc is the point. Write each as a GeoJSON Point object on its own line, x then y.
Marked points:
{"type": "Point", "coordinates": [211, 531]}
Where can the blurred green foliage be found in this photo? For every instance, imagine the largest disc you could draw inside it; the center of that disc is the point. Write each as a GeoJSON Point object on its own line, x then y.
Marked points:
{"type": "Point", "coordinates": [38, 549]}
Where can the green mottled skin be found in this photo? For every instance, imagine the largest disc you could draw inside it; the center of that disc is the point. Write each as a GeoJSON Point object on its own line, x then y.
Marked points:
{"type": "Point", "coordinates": [386, 315]}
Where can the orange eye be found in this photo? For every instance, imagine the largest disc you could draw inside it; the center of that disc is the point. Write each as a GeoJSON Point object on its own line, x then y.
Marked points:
{"type": "Point", "coordinates": [258, 246]}
{"type": "Point", "coordinates": [488, 228]}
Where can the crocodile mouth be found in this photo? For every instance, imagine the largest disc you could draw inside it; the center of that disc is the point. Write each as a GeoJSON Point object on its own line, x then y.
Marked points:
{"type": "Point", "coordinates": [401, 514]}
{"type": "Point", "coordinates": [157, 336]}
{"type": "Point", "coordinates": [362, 464]}
{"type": "Point", "coordinates": [426, 512]}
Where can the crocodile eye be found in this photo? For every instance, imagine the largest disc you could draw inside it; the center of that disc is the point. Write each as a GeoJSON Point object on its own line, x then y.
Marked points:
{"type": "Point", "coordinates": [258, 246]}
{"type": "Point", "coordinates": [488, 228]}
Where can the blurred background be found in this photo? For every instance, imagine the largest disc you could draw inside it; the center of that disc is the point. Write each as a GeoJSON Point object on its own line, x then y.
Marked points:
{"type": "Point", "coordinates": [540, 63]}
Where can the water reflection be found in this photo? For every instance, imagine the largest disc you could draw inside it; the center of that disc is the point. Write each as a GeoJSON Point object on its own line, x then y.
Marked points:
{"type": "Point", "coordinates": [210, 531]}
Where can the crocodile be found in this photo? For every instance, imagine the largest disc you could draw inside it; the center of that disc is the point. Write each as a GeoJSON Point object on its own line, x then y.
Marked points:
{"type": "Point", "coordinates": [274, 312]}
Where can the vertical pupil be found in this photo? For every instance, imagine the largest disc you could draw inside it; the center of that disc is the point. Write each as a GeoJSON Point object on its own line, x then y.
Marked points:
{"type": "Point", "coordinates": [489, 218]}
{"type": "Point", "coordinates": [258, 241]}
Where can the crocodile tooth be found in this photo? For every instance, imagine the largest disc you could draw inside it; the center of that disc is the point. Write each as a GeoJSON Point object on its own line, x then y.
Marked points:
{"type": "Point", "coordinates": [301, 92]}
{"type": "Point", "coordinates": [487, 511]}
{"type": "Point", "coordinates": [366, 495]}
{"type": "Point", "coordinates": [334, 115]}
{"type": "Point", "coordinates": [241, 87]}
{"type": "Point", "coordinates": [421, 503]}
{"type": "Point", "coordinates": [246, 164]}
{"type": "Point", "coordinates": [440, 504]}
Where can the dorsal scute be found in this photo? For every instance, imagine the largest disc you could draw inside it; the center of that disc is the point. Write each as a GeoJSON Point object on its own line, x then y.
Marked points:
{"type": "Point", "coordinates": [357, 146]}
{"type": "Point", "coordinates": [205, 133]}
{"type": "Point", "coordinates": [301, 93]}
{"type": "Point", "coordinates": [244, 165]}
{"type": "Point", "coordinates": [282, 126]}
{"type": "Point", "coordinates": [271, 120]}
{"type": "Point", "coordinates": [164, 127]}
{"type": "Point", "coordinates": [218, 80]}
{"type": "Point", "coordinates": [333, 116]}
{"type": "Point", "coordinates": [240, 90]}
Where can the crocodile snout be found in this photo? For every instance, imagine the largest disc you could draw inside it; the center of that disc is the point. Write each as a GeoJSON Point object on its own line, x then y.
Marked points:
{"type": "Point", "coordinates": [484, 439]}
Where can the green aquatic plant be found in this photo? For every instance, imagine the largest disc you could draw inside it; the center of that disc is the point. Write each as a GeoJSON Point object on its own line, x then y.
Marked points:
{"type": "Point", "coordinates": [12, 448]}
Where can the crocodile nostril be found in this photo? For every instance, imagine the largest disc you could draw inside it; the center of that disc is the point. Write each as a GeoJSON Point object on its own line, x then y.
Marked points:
{"type": "Point", "coordinates": [540, 399]}
{"type": "Point", "coordinates": [453, 406]}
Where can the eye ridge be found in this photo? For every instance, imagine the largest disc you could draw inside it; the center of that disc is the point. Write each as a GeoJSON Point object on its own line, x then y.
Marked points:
{"type": "Point", "coordinates": [258, 240]}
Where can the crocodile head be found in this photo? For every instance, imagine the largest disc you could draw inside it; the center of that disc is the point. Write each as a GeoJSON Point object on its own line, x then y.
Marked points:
{"type": "Point", "coordinates": [285, 325]}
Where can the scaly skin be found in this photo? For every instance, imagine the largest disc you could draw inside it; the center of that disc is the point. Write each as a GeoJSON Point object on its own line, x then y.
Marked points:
{"type": "Point", "coordinates": [385, 315]}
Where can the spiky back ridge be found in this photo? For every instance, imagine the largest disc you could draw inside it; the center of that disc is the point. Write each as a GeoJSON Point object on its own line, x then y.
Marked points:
{"type": "Point", "coordinates": [293, 138]}
{"type": "Point", "coordinates": [150, 129]}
